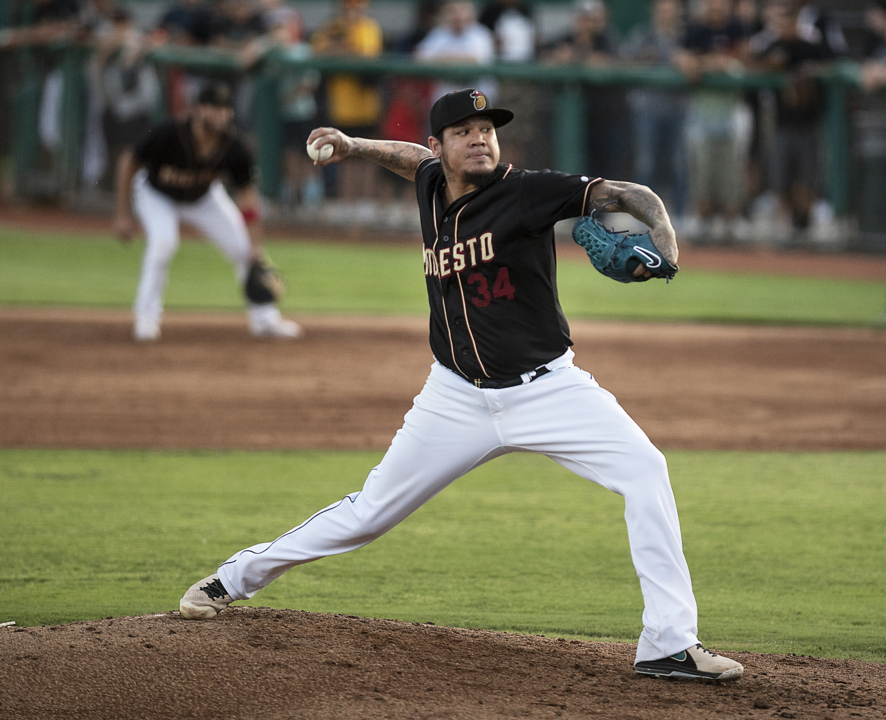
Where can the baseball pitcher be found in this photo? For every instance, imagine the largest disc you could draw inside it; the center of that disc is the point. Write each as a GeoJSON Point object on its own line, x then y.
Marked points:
{"type": "Point", "coordinates": [503, 379]}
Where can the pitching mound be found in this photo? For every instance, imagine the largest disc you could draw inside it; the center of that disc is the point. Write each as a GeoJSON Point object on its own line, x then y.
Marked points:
{"type": "Point", "coordinates": [262, 663]}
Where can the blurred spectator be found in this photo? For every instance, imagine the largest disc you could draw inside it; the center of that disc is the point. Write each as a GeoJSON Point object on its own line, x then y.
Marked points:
{"type": "Point", "coordinates": [97, 20]}
{"type": "Point", "coordinates": [873, 45]}
{"type": "Point", "coordinates": [353, 103]}
{"type": "Point", "coordinates": [588, 41]}
{"type": "Point", "coordinates": [51, 20]}
{"type": "Point", "coordinates": [873, 70]}
{"type": "Point", "coordinates": [406, 119]}
{"type": "Point", "coordinates": [425, 18]}
{"type": "Point", "coordinates": [98, 29]}
{"type": "Point", "coordinates": [818, 25]}
{"type": "Point", "coordinates": [238, 27]}
{"type": "Point", "coordinates": [458, 39]}
{"type": "Point", "coordinates": [303, 182]}
{"type": "Point", "coordinates": [794, 164]}
{"type": "Point", "coordinates": [719, 124]}
{"type": "Point", "coordinates": [188, 22]}
{"type": "Point", "coordinates": [235, 24]}
{"type": "Point", "coordinates": [513, 30]}
{"type": "Point", "coordinates": [283, 21]}
{"type": "Point", "coordinates": [747, 14]}
{"type": "Point", "coordinates": [659, 116]}
{"type": "Point", "coordinates": [130, 90]}
{"type": "Point", "coordinates": [591, 43]}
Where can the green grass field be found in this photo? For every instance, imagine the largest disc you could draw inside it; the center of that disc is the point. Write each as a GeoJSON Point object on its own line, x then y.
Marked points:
{"type": "Point", "coordinates": [785, 548]}
{"type": "Point", "coordinates": [39, 268]}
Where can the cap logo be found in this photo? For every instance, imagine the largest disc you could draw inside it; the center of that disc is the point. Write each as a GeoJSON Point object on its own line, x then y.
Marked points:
{"type": "Point", "coordinates": [479, 100]}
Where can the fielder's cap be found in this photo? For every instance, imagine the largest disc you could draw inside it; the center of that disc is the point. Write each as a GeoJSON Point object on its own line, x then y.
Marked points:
{"type": "Point", "coordinates": [216, 93]}
{"type": "Point", "coordinates": [462, 104]}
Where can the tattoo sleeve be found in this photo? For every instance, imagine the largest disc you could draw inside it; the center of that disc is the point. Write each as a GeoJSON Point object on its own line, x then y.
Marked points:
{"type": "Point", "coordinates": [643, 204]}
{"type": "Point", "coordinates": [402, 158]}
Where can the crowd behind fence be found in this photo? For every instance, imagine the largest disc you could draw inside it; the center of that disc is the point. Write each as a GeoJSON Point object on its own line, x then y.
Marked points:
{"type": "Point", "coordinates": [756, 121]}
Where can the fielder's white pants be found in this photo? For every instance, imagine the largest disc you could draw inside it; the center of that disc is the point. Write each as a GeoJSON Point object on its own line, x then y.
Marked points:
{"type": "Point", "coordinates": [455, 427]}
{"type": "Point", "coordinates": [215, 215]}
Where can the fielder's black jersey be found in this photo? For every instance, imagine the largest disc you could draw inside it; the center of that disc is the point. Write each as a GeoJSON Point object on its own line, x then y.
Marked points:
{"type": "Point", "coordinates": [176, 169]}
{"type": "Point", "coordinates": [491, 268]}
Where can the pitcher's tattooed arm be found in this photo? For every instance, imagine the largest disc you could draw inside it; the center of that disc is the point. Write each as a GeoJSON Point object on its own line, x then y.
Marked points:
{"type": "Point", "coordinates": [402, 158]}
{"type": "Point", "coordinates": [643, 204]}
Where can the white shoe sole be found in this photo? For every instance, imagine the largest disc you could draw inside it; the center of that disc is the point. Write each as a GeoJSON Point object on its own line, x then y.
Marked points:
{"type": "Point", "coordinates": [733, 674]}
{"type": "Point", "coordinates": [286, 330]}
{"type": "Point", "coordinates": [196, 612]}
{"type": "Point", "coordinates": [144, 336]}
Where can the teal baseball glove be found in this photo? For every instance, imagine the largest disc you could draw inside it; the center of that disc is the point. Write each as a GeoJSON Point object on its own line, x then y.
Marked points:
{"type": "Point", "coordinates": [618, 254]}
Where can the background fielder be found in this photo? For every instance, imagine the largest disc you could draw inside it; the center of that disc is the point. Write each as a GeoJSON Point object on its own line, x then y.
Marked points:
{"type": "Point", "coordinates": [174, 175]}
{"type": "Point", "coordinates": [503, 379]}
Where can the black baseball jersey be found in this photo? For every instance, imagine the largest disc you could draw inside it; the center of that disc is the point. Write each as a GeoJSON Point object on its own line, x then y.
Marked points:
{"type": "Point", "coordinates": [176, 169]}
{"type": "Point", "coordinates": [491, 268]}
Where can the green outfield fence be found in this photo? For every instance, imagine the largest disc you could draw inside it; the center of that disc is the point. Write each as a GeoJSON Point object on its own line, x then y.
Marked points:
{"type": "Point", "coordinates": [563, 84]}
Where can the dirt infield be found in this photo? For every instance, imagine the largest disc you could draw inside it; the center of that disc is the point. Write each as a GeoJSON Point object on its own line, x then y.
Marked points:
{"type": "Point", "coordinates": [73, 378]}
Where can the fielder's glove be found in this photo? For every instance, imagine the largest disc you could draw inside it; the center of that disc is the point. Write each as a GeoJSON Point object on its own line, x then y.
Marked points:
{"type": "Point", "coordinates": [618, 254]}
{"type": "Point", "coordinates": [264, 283]}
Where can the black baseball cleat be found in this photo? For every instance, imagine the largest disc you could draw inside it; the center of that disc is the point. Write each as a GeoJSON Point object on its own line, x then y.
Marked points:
{"type": "Point", "coordinates": [205, 599]}
{"type": "Point", "coordinates": [694, 663]}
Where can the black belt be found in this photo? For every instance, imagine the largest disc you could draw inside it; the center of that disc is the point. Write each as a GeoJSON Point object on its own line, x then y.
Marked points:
{"type": "Point", "coordinates": [490, 384]}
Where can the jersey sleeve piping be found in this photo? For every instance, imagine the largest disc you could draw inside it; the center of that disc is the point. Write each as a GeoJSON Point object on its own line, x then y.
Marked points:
{"type": "Point", "coordinates": [436, 229]}
{"type": "Point", "coordinates": [464, 303]}
{"type": "Point", "coordinates": [440, 281]}
{"type": "Point", "coordinates": [584, 204]}
{"type": "Point", "coordinates": [424, 159]}
{"type": "Point", "coordinates": [422, 162]}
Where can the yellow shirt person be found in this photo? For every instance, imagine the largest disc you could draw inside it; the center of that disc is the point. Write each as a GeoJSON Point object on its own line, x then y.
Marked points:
{"type": "Point", "coordinates": [352, 101]}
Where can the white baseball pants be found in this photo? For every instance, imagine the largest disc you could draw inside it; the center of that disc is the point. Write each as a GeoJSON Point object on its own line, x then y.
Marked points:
{"type": "Point", "coordinates": [215, 215]}
{"type": "Point", "coordinates": [454, 427]}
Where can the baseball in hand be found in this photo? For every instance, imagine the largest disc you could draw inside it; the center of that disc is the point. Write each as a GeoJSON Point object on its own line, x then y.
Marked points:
{"type": "Point", "coordinates": [321, 153]}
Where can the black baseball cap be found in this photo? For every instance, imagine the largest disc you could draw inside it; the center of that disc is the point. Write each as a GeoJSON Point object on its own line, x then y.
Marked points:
{"type": "Point", "coordinates": [216, 93]}
{"type": "Point", "coordinates": [462, 104]}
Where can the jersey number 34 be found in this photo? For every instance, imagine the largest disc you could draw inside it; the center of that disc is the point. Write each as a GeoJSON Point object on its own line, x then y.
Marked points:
{"type": "Point", "coordinates": [501, 288]}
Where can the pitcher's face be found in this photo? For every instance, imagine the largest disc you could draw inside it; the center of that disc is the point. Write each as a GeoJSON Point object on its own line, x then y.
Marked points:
{"type": "Point", "coordinates": [469, 148]}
